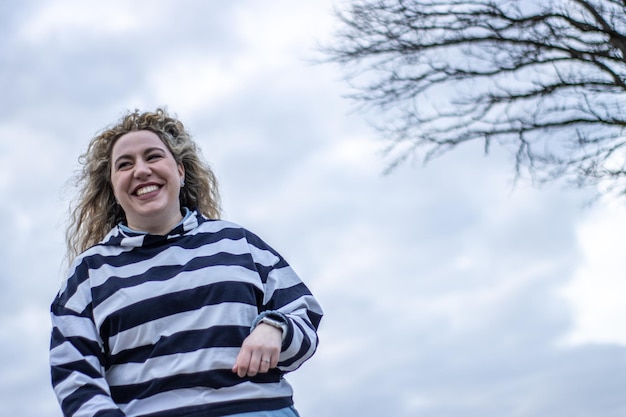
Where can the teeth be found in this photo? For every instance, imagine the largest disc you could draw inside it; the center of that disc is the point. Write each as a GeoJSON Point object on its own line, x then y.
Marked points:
{"type": "Point", "coordinates": [146, 190]}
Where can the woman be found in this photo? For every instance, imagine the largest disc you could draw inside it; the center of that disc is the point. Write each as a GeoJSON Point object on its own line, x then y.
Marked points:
{"type": "Point", "coordinates": [167, 310]}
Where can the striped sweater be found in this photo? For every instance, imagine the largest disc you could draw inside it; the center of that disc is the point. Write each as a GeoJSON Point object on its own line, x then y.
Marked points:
{"type": "Point", "coordinates": [150, 325]}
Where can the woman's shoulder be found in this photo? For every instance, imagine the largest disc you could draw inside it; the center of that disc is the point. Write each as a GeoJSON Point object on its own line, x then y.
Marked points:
{"type": "Point", "coordinates": [230, 229]}
{"type": "Point", "coordinates": [217, 225]}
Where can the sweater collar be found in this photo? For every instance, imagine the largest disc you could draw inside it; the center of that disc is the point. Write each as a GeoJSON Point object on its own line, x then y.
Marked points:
{"type": "Point", "coordinates": [122, 235]}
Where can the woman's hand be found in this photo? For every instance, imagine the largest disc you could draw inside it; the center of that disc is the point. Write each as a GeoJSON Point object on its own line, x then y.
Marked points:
{"type": "Point", "coordinates": [259, 352]}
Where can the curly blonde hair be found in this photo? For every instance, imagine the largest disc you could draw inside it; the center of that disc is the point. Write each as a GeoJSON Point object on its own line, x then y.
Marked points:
{"type": "Point", "coordinates": [95, 210]}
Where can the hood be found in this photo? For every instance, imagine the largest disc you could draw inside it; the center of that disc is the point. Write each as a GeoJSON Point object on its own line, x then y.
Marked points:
{"type": "Point", "coordinates": [123, 237]}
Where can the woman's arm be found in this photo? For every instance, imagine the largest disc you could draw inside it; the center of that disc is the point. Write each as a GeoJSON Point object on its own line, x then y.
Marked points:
{"type": "Point", "coordinates": [77, 360]}
{"type": "Point", "coordinates": [287, 300]}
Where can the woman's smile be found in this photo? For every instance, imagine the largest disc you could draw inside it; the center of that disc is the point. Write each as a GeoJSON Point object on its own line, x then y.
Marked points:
{"type": "Point", "coordinates": [146, 189]}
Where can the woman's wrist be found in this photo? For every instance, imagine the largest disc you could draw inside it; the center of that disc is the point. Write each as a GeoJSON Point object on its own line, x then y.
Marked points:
{"type": "Point", "coordinates": [272, 318]}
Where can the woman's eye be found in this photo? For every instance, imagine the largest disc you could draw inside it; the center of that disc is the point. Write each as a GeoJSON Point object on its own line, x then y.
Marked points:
{"type": "Point", "coordinates": [154, 156]}
{"type": "Point", "coordinates": [123, 165]}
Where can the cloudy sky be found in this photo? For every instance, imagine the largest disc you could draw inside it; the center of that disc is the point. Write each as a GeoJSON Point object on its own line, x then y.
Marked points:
{"type": "Point", "coordinates": [448, 292]}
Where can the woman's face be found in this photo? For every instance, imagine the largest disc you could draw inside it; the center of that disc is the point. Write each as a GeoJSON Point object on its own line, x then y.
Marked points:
{"type": "Point", "coordinates": [146, 182]}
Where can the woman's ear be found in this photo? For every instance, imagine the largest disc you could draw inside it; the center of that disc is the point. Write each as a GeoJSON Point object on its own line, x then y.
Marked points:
{"type": "Point", "coordinates": [181, 172]}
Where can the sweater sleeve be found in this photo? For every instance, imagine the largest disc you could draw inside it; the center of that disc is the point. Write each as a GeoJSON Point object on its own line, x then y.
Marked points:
{"type": "Point", "coordinates": [285, 294]}
{"type": "Point", "coordinates": [77, 357]}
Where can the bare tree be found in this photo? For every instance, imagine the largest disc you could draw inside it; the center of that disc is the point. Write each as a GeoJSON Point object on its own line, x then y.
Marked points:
{"type": "Point", "coordinates": [546, 79]}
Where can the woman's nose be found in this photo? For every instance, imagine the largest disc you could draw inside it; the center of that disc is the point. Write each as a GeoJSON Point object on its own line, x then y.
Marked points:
{"type": "Point", "coordinates": [142, 169]}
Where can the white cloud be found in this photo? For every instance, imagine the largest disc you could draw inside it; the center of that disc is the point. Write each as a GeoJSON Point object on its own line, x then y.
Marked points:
{"type": "Point", "coordinates": [596, 292]}
{"type": "Point", "coordinates": [192, 82]}
{"type": "Point", "coordinates": [62, 20]}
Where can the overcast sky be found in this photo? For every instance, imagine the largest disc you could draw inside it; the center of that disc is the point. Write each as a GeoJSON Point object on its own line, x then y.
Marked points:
{"type": "Point", "coordinates": [448, 292]}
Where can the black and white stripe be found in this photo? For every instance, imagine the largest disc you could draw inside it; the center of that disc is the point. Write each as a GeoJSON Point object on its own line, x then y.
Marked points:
{"type": "Point", "coordinates": [151, 325]}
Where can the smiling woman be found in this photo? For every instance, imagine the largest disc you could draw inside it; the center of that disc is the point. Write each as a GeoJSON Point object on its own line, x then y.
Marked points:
{"type": "Point", "coordinates": [168, 310]}
{"type": "Point", "coordinates": [97, 209]}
